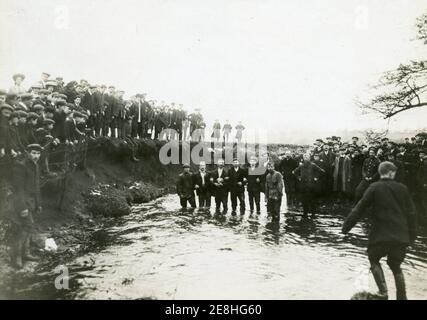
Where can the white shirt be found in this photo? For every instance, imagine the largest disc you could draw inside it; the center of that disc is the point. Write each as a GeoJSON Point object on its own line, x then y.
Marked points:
{"type": "Point", "coordinates": [139, 111]}
{"type": "Point", "coordinates": [203, 174]}
{"type": "Point", "coordinates": [219, 172]}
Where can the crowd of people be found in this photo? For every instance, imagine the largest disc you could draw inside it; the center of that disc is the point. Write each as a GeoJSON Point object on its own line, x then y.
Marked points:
{"type": "Point", "coordinates": [330, 171]}
{"type": "Point", "coordinates": [53, 118]}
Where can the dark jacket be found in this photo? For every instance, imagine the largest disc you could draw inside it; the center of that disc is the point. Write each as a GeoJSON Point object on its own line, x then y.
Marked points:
{"type": "Point", "coordinates": [256, 182]}
{"type": "Point", "coordinates": [237, 180]}
{"type": "Point", "coordinates": [185, 185]}
{"type": "Point", "coordinates": [328, 159]}
{"type": "Point", "coordinates": [71, 132]}
{"type": "Point", "coordinates": [392, 211]}
{"type": "Point", "coordinates": [307, 173]}
{"type": "Point", "coordinates": [220, 187]}
{"type": "Point", "coordinates": [26, 185]}
{"type": "Point", "coordinates": [197, 180]}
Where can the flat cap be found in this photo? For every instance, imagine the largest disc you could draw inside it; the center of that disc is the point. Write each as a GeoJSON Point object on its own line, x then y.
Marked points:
{"type": "Point", "coordinates": [60, 103]}
{"type": "Point", "coordinates": [11, 96]}
{"type": "Point", "coordinates": [186, 165]}
{"type": "Point", "coordinates": [6, 107]}
{"type": "Point", "coordinates": [44, 91]}
{"type": "Point", "coordinates": [38, 107]}
{"type": "Point", "coordinates": [3, 92]}
{"type": "Point", "coordinates": [26, 96]}
{"type": "Point", "coordinates": [51, 83]}
{"type": "Point", "coordinates": [35, 146]}
{"type": "Point", "coordinates": [32, 115]}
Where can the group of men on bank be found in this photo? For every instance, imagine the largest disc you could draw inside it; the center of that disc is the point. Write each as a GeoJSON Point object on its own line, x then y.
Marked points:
{"type": "Point", "coordinates": [52, 118]}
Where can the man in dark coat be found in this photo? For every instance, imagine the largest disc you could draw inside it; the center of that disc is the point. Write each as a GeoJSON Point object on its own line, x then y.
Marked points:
{"type": "Point", "coordinates": [202, 185]}
{"type": "Point", "coordinates": [219, 179]}
{"type": "Point", "coordinates": [238, 179]}
{"type": "Point", "coordinates": [393, 226]}
{"type": "Point", "coordinates": [285, 167]}
{"type": "Point", "coordinates": [327, 156]}
{"type": "Point", "coordinates": [185, 188]}
{"type": "Point", "coordinates": [369, 174]}
{"type": "Point", "coordinates": [27, 202]}
{"type": "Point", "coordinates": [307, 175]}
{"type": "Point", "coordinates": [255, 185]}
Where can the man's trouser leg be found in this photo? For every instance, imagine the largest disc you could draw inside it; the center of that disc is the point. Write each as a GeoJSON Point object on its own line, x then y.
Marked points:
{"type": "Point", "coordinates": [183, 202]}
{"type": "Point", "coordinates": [395, 257]}
{"type": "Point", "coordinates": [276, 209]}
{"type": "Point", "coordinates": [224, 200]}
{"type": "Point", "coordinates": [233, 196]}
{"type": "Point", "coordinates": [202, 200]}
{"type": "Point", "coordinates": [241, 197]}
{"type": "Point", "coordinates": [257, 198]}
{"type": "Point", "coordinates": [192, 201]}
{"type": "Point", "coordinates": [251, 196]}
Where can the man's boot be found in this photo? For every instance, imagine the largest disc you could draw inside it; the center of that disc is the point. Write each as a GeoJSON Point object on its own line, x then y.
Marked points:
{"type": "Point", "coordinates": [400, 286]}
{"type": "Point", "coordinates": [378, 274]}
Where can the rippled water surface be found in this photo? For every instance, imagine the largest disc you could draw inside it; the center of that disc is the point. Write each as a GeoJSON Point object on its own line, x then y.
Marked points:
{"type": "Point", "coordinates": [163, 253]}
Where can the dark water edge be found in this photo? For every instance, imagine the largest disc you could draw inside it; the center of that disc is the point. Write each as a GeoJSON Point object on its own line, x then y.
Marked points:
{"type": "Point", "coordinates": [161, 252]}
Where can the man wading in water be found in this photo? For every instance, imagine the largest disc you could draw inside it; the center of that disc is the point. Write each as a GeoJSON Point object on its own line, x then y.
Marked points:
{"type": "Point", "coordinates": [393, 226]}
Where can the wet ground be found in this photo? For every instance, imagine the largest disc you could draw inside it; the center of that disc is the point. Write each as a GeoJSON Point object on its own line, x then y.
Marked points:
{"type": "Point", "coordinates": [161, 252]}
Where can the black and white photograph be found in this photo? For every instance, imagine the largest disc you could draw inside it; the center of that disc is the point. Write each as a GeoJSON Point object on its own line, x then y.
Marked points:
{"type": "Point", "coordinates": [218, 150]}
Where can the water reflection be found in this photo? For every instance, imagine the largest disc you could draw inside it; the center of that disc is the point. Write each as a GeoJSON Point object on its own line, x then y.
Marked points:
{"type": "Point", "coordinates": [160, 251]}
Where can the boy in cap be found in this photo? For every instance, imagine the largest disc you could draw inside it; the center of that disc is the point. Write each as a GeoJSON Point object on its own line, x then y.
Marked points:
{"type": "Point", "coordinates": [27, 203]}
{"type": "Point", "coordinates": [15, 145]}
{"type": "Point", "coordinates": [393, 226]}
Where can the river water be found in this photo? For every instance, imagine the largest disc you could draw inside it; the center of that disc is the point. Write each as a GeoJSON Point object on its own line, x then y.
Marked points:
{"type": "Point", "coordinates": [161, 252]}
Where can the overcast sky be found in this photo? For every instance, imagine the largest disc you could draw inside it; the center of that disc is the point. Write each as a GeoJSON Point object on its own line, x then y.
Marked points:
{"type": "Point", "coordinates": [281, 65]}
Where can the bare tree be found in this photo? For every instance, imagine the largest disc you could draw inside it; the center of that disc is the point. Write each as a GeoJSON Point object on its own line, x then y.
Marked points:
{"type": "Point", "coordinates": [404, 88]}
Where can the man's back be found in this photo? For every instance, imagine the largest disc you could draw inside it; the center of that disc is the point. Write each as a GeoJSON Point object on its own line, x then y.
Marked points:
{"type": "Point", "coordinates": [392, 212]}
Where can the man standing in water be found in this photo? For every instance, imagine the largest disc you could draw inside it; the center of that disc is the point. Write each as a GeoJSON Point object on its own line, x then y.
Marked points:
{"type": "Point", "coordinates": [393, 226]}
{"type": "Point", "coordinates": [185, 188]}
{"type": "Point", "coordinates": [273, 191]}
{"type": "Point", "coordinates": [219, 178]}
